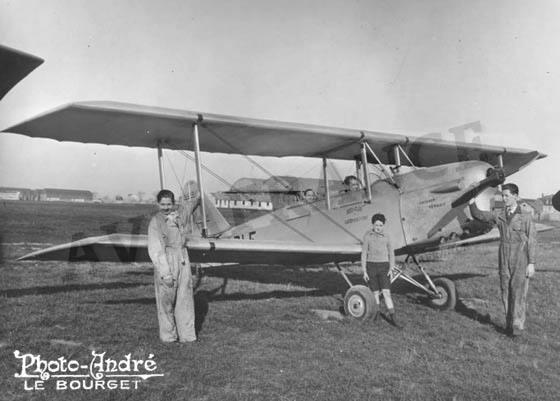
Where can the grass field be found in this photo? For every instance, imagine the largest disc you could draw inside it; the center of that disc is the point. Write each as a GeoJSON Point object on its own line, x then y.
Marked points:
{"type": "Point", "coordinates": [260, 339]}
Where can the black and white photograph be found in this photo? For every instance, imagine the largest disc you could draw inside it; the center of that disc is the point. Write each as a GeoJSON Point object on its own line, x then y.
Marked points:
{"type": "Point", "coordinates": [279, 200]}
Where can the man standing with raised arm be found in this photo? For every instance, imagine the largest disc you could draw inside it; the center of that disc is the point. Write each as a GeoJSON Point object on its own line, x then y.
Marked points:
{"type": "Point", "coordinates": [172, 271]}
{"type": "Point", "coordinates": [516, 257]}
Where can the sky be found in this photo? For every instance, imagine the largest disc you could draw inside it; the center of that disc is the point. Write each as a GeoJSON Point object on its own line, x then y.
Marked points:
{"type": "Point", "coordinates": [396, 66]}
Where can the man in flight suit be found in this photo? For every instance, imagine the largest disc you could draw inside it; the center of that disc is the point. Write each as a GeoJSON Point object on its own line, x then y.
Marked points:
{"type": "Point", "coordinates": [172, 271]}
{"type": "Point", "coordinates": [516, 256]}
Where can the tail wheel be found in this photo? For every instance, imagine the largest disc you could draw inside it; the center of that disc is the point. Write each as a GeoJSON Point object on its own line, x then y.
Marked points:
{"type": "Point", "coordinates": [359, 302]}
{"type": "Point", "coordinates": [447, 295]}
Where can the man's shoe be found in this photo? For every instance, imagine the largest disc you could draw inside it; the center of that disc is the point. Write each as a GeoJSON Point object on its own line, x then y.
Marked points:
{"type": "Point", "coordinates": [393, 321]}
{"type": "Point", "coordinates": [377, 316]}
{"type": "Point", "coordinates": [515, 332]}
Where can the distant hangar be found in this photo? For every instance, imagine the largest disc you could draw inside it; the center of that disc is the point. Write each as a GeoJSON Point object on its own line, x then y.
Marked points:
{"type": "Point", "coordinates": [46, 194]}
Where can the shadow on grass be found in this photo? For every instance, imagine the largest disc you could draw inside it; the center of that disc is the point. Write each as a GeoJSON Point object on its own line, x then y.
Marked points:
{"type": "Point", "coordinates": [202, 299]}
{"type": "Point", "coordinates": [319, 283]}
{"type": "Point", "coordinates": [473, 314]}
{"type": "Point", "coordinates": [140, 273]}
{"type": "Point", "coordinates": [46, 290]}
{"type": "Point", "coordinates": [324, 279]}
{"type": "Point", "coordinates": [236, 296]}
{"type": "Point", "coordinates": [538, 270]}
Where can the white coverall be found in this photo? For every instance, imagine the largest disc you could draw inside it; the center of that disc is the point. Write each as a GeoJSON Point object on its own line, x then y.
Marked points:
{"type": "Point", "coordinates": [175, 304]}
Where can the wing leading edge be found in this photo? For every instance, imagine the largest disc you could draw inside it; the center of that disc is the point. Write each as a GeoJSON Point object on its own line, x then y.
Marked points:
{"type": "Point", "coordinates": [134, 248]}
{"type": "Point", "coordinates": [124, 124]}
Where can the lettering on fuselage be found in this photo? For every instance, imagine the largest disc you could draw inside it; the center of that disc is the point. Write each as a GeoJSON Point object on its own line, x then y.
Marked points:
{"type": "Point", "coordinates": [249, 235]}
{"type": "Point", "coordinates": [431, 203]}
{"type": "Point", "coordinates": [426, 201]}
{"type": "Point", "coordinates": [355, 219]}
{"type": "Point", "coordinates": [354, 209]}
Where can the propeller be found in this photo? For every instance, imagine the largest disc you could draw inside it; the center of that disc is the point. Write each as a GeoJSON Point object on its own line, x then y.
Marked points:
{"type": "Point", "coordinates": [494, 177]}
{"type": "Point", "coordinates": [556, 201]}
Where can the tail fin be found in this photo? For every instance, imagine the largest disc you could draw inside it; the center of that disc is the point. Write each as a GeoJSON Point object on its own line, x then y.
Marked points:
{"type": "Point", "coordinates": [191, 205]}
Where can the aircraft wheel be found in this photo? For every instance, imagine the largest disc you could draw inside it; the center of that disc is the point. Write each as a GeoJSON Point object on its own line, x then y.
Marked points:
{"type": "Point", "coordinates": [359, 302]}
{"type": "Point", "coordinates": [448, 299]}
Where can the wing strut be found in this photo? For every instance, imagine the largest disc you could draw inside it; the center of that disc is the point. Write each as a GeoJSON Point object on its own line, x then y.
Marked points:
{"type": "Point", "coordinates": [199, 175]}
{"type": "Point", "coordinates": [397, 156]}
{"type": "Point", "coordinates": [326, 179]}
{"type": "Point", "coordinates": [365, 165]}
{"type": "Point", "coordinates": [160, 165]}
{"type": "Point", "coordinates": [383, 168]}
{"type": "Point", "coordinates": [500, 165]}
{"type": "Point", "coordinates": [405, 155]}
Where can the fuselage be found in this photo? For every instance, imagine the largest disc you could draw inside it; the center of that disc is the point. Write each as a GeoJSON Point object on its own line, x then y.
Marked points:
{"type": "Point", "coordinates": [418, 210]}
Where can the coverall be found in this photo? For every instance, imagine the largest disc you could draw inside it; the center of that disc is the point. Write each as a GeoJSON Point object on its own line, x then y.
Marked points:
{"type": "Point", "coordinates": [518, 246]}
{"type": "Point", "coordinates": [175, 305]}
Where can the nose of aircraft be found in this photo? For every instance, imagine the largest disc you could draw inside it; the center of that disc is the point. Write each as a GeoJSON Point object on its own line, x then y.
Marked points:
{"type": "Point", "coordinates": [556, 201]}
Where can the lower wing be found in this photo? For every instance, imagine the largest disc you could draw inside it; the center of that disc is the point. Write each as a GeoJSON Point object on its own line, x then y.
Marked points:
{"type": "Point", "coordinates": [491, 236]}
{"type": "Point", "coordinates": [134, 248]}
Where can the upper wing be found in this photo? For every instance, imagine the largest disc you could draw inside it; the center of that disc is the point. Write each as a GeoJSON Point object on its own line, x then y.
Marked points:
{"type": "Point", "coordinates": [14, 66]}
{"type": "Point", "coordinates": [133, 125]}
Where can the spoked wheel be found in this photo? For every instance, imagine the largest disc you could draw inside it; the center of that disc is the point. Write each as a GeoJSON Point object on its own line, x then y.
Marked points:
{"type": "Point", "coordinates": [447, 295]}
{"type": "Point", "coordinates": [359, 302]}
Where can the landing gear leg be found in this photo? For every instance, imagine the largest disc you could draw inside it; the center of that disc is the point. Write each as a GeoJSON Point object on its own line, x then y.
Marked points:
{"type": "Point", "coordinates": [441, 291]}
{"type": "Point", "coordinates": [197, 273]}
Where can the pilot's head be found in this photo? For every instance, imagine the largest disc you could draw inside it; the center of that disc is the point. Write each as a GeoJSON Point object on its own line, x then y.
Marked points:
{"type": "Point", "coordinates": [378, 222]}
{"type": "Point", "coordinates": [510, 194]}
{"type": "Point", "coordinates": [166, 201]}
{"type": "Point", "coordinates": [352, 184]}
{"type": "Point", "coordinates": [309, 195]}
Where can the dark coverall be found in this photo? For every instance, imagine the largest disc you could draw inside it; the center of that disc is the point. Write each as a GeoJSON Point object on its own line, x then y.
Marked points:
{"type": "Point", "coordinates": [175, 304]}
{"type": "Point", "coordinates": [518, 245]}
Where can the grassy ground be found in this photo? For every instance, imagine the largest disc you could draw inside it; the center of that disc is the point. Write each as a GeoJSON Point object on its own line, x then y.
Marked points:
{"type": "Point", "coordinates": [259, 338]}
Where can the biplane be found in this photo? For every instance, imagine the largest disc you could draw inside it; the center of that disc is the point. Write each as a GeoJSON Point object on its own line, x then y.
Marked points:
{"type": "Point", "coordinates": [423, 187]}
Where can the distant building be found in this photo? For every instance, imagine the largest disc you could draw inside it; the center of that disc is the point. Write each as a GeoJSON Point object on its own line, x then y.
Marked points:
{"type": "Point", "coordinates": [549, 213]}
{"type": "Point", "coordinates": [66, 195]}
{"type": "Point", "coordinates": [249, 198]}
{"type": "Point", "coordinates": [533, 206]}
{"type": "Point", "coordinates": [9, 193]}
{"type": "Point", "coordinates": [271, 193]}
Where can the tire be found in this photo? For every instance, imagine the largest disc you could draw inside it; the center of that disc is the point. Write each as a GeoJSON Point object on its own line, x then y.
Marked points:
{"type": "Point", "coordinates": [359, 303]}
{"type": "Point", "coordinates": [449, 295]}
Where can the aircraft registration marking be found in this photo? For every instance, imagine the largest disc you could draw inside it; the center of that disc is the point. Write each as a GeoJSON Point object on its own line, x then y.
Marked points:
{"type": "Point", "coordinates": [250, 235]}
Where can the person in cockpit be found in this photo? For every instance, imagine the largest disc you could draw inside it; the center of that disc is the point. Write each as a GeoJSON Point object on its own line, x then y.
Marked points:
{"type": "Point", "coordinates": [309, 196]}
{"type": "Point", "coordinates": [351, 193]}
{"type": "Point", "coordinates": [352, 184]}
